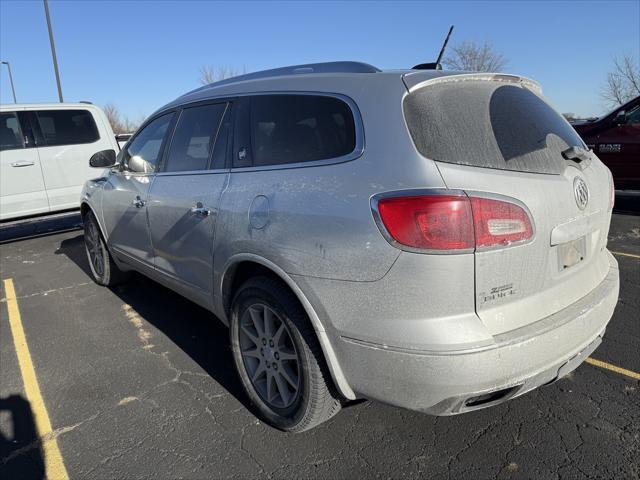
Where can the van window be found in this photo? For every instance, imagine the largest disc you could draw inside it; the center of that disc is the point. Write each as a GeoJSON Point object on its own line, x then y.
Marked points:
{"type": "Point", "coordinates": [146, 145]}
{"type": "Point", "coordinates": [488, 124]}
{"type": "Point", "coordinates": [67, 127]}
{"type": "Point", "coordinates": [300, 128]}
{"type": "Point", "coordinates": [10, 133]}
{"type": "Point", "coordinates": [194, 138]}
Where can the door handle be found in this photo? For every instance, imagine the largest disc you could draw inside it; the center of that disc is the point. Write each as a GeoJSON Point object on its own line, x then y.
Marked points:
{"type": "Point", "coordinates": [200, 210]}
{"type": "Point", "coordinates": [138, 202]}
{"type": "Point", "coordinates": [23, 163]}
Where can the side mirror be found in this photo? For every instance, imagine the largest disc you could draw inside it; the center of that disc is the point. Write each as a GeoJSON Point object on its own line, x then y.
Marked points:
{"type": "Point", "coordinates": [620, 118]}
{"type": "Point", "coordinates": [103, 159]}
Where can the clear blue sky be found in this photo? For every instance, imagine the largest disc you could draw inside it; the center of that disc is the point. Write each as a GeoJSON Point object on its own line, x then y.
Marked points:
{"type": "Point", "coordinates": [139, 55]}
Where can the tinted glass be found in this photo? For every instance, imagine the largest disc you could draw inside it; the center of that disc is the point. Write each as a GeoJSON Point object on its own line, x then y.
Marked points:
{"type": "Point", "coordinates": [67, 127]}
{"type": "Point", "coordinates": [143, 152]}
{"type": "Point", "coordinates": [489, 124]}
{"type": "Point", "coordinates": [633, 117]}
{"type": "Point", "coordinates": [194, 138]}
{"type": "Point", "coordinates": [300, 128]}
{"type": "Point", "coordinates": [219, 159]}
{"type": "Point", "coordinates": [10, 133]}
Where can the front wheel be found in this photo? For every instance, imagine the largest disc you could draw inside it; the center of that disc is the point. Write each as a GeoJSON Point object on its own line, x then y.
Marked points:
{"type": "Point", "coordinates": [103, 268]}
{"type": "Point", "coordinates": [278, 357]}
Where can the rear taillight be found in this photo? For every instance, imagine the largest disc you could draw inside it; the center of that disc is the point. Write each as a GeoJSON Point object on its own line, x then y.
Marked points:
{"type": "Point", "coordinates": [499, 223]}
{"type": "Point", "coordinates": [452, 222]}
{"type": "Point", "coordinates": [434, 222]}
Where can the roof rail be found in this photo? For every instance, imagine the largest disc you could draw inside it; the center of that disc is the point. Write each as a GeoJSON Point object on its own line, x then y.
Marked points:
{"type": "Point", "coordinates": [326, 67]}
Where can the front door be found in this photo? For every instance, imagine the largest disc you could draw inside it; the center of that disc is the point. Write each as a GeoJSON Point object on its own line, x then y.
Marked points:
{"type": "Point", "coordinates": [184, 198]}
{"type": "Point", "coordinates": [619, 148]}
{"type": "Point", "coordinates": [22, 190]}
{"type": "Point", "coordinates": [125, 194]}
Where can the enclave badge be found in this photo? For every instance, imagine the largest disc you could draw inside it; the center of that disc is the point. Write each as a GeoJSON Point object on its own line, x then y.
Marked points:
{"type": "Point", "coordinates": [581, 192]}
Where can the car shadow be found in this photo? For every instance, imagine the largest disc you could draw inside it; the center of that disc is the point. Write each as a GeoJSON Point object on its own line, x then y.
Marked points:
{"type": "Point", "coordinates": [11, 231]}
{"type": "Point", "coordinates": [196, 331]}
{"type": "Point", "coordinates": [627, 203]}
{"type": "Point", "coordinates": [21, 454]}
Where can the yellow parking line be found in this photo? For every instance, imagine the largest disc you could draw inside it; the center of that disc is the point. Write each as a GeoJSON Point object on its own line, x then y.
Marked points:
{"type": "Point", "coordinates": [54, 465]}
{"type": "Point", "coordinates": [632, 255]}
{"type": "Point", "coordinates": [613, 368]}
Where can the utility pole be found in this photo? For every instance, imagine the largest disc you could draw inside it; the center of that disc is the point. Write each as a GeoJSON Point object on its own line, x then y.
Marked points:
{"type": "Point", "coordinates": [13, 90]}
{"type": "Point", "coordinates": [53, 49]}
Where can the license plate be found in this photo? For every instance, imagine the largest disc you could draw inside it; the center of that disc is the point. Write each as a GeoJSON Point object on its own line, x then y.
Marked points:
{"type": "Point", "coordinates": [571, 253]}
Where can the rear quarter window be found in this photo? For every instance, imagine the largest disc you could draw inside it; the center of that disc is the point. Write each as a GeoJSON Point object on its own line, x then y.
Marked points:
{"type": "Point", "coordinates": [488, 124]}
{"type": "Point", "coordinates": [67, 127]}
{"type": "Point", "coordinates": [285, 129]}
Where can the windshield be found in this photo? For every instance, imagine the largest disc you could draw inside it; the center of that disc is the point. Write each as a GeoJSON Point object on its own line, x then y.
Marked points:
{"type": "Point", "coordinates": [489, 124]}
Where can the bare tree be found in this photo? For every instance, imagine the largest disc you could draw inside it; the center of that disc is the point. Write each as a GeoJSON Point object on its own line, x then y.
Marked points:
{"type": "Point", "coordinates": [475, 57]}
{"type": "Point", "coordinates": [623, 83]}
{"type": "Point", "coordinates": [119, 124]}
{"type": "Point", "coordinates": [210, 74]}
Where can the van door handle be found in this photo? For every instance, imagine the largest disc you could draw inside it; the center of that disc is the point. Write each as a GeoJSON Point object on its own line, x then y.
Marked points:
{"type": "Point", "coordinates": [23, 163]}
{"type": "Point", "coordinates": [200, 210]}
{"type": "Point", "coordinates": [138, 202]}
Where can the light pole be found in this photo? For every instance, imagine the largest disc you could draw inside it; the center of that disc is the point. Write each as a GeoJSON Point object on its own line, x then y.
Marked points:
{"type": "Point", "coordinates": [13, 90]}
{"type": "Point", "coordinates": [53, 49]}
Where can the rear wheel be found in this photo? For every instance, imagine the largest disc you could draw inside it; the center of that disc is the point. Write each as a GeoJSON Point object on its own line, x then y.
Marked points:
{"type": "Point", "coordinates": [103, 268]}
{"type": "Point", "coordinates": [278, 357]}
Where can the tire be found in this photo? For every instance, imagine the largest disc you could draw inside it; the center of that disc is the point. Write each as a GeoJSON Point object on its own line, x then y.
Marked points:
{"type": "Point", "coordinates": [103, 268]}
{"type": "Point", "coordinates": [304, 396]}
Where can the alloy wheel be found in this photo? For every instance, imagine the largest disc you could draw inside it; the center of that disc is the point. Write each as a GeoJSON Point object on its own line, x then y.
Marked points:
{"type": "Point", "coordinates": [269, 356]}
{"type": "Point", "coordinates": [94, 248]}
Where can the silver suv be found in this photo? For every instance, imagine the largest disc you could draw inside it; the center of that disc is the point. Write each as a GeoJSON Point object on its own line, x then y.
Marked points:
{"type": "Point", "coordinates": [432, 240]}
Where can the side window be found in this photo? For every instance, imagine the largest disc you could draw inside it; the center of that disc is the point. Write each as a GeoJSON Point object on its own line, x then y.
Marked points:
{"type": "Point", "coordinates": [10, 133]}
{"type": "Point", "coordinates": [143, 151]}
{"type": "Point", "coordinates": [300, 128]}
{"type": "Point", "coordinates": [633, 117]}
{"type": "Point", "coordinates": [194, 138]}
{"type": "Point", "coordinates": [67, 127]}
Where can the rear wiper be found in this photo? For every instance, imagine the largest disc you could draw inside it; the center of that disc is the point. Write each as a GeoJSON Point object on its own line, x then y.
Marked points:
{"type": "Point", "coordinates": [577, 154]}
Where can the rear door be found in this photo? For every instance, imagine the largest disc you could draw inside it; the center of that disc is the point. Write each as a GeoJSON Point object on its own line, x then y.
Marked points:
{"type": "Point", "coordinates": [497, 136]}
{"type": "Point", "coordinates": [183, 201]}
{"type": "Point", "coordinates": [22, 189]}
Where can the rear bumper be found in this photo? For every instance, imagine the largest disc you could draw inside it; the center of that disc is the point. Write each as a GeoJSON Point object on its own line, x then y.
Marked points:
{"type": "Point", "coordinates": [447, 383]}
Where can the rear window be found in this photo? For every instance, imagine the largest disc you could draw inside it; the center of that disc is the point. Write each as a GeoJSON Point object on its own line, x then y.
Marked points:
{"type": "Point", "coordinates": [296, 128]}
{"type": "Point", "coordinates": [67, 127]}
{"type": "Point", "coordinates": [488, 124]}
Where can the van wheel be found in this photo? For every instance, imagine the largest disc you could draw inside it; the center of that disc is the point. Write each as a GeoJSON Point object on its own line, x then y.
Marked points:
{"type": "Point", "coordinates": [278, 357]}
{"type": "Point", "coordinates": [105, 271]}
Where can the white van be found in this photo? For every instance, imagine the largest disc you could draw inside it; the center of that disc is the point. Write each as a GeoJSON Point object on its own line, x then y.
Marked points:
{"type": "Point", "coordinates": [43, 155]}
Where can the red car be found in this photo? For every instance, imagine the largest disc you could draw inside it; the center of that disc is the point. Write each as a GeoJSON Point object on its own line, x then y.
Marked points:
{"type": "Point", "coordinates": [615, 138]}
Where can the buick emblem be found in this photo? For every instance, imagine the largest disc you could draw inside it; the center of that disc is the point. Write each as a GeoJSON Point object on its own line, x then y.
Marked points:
{"type": "Point", "coordinates": [581, 192]}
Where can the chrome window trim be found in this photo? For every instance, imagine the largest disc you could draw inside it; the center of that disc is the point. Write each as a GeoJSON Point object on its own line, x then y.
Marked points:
{"type": "Point", "coordinates": [355, 111]}
{"type": "Point", "coordinates": [193, 172]}
{"type": "Point", "coordinates": [375, 200]}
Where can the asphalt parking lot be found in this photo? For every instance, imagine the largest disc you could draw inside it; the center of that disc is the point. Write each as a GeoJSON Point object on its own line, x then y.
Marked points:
{"type": "Point", "coordinates": [137, 382]}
